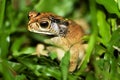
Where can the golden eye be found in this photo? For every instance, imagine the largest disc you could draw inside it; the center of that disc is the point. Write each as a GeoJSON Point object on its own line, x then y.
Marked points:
{"type": "Point", "coordinates": [44, 24]}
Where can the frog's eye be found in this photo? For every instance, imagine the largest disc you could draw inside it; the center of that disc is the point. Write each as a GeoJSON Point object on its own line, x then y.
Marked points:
{"type": "Point", "coordinates": [44, 24]}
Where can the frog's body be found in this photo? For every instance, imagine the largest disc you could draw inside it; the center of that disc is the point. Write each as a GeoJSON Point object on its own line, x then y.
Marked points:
{"type": "Point", "coordinates": [68, 35]}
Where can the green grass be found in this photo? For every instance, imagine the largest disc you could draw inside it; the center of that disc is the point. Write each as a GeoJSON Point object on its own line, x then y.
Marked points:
{"type": "Point", "coordinates": [17, 44]}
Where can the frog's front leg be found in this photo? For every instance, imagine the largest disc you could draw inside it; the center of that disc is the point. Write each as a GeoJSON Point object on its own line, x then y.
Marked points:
{"type": "Point", "coordinates": [41, 50]}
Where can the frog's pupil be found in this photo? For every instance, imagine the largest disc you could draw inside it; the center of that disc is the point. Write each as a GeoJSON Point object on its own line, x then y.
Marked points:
{"type": "Point", "coordinates": [44, 24]}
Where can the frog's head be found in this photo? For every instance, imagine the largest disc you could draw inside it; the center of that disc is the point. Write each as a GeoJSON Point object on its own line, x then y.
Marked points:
{"type": "Point", "coordinates": [47, 23]}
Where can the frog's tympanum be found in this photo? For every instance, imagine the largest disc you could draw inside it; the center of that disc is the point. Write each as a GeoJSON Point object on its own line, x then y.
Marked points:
{"type": "Point", "coordinates": [66, 34]}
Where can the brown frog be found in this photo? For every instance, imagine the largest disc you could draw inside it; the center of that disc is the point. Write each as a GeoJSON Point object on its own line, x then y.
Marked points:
{"type": "Point", "coordinates": [66, 34]}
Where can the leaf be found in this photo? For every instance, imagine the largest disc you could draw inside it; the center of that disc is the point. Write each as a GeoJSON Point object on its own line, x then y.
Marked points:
{"type": "Point", "coordinates": [115, 39]}
{"type": "Point", "coordinates": [16, 66]}
{"type": "Point", "coordinates": [64, 65]}
{"type": "Point", "coordinates": [20, 77]}
{"type": "Point", "coordinates": [40, 70]}
{"type": "Point", "coordinates": [90, 76]}
{"type": "Point", "coordinates": [99, 50]}
{"type": "Point", "coordinates": [118, 4]}
{"type": "Point", "coordinates": [25, 50]}
{"type": "Point", "coordinates": [104, 28]}
{"type": "Point", "coordinates": [110, 5]}
{"type": "Point", "coordinates": [4, 45]}
{"type": "Point", "coordinates": [53, 55]}
{"type": "Point", "coordinates": [6, 70]}
{"type": "Point", "coordinates": [2, 13]}
{"type": "Point", "coordinates": [17, 44]}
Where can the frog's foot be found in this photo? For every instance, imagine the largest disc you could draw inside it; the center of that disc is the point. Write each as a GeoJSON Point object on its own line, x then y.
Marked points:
{"type": "Point", "coordinates": [40, 50]}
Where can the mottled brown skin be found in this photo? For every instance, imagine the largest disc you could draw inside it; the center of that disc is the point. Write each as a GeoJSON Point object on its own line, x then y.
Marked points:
{"type": "Point", "coordinates": [71, 41]}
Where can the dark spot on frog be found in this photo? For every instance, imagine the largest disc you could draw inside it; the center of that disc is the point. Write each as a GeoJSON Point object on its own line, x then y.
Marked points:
{"type": "Point", "coordinates": [55, 20]}
{"type": "Point", "coordinates": [63, 31]}
{"type": "Point", "coordinates": [38, 14]}
{"type": "Point", "coordinates": [66, 23]}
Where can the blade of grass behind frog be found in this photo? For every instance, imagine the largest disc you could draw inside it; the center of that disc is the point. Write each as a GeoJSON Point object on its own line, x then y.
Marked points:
{"type": "Point", "coordinates": [17, 44]}
{"type": "Point", "coordinates": [6, 71]}
{"type": "Point", "coordinates": [2, 11]}
{"type": "Point", "coordinates": [118, 4]}
{"type": "Point", "coordinates": [64, 65]}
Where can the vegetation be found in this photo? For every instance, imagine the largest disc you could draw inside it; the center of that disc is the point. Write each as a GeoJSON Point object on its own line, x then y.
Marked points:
{"type": "Point", "coordinates": [17, 44]}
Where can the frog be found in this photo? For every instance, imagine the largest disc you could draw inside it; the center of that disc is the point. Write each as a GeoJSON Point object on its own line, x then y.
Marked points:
{"type": "Point", "coordinates": [66, 34]}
